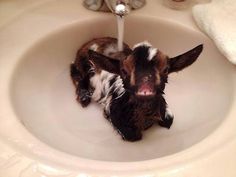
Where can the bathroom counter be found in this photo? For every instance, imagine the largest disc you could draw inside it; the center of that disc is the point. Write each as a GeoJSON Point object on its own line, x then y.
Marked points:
{"type": "Point", "coordinates": [22, 23]}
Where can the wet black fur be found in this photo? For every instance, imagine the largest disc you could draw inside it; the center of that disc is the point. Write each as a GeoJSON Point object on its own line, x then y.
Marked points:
{"type": "Point", "coordinates": [122, 115]}
{"type": "Point", "coordinates": [80, 74]}
{"type": "Point", "coordinates": [130, 115]}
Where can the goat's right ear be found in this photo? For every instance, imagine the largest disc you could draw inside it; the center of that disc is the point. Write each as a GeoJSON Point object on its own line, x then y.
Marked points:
{"type": "Point", "coordinates": [105, 63]}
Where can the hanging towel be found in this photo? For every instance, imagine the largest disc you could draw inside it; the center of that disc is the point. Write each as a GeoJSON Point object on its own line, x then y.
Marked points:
{"type": "Point", "coordinates": [218, 20]}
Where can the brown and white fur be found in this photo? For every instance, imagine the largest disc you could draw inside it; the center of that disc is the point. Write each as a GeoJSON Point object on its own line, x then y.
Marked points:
{"type": "Point", "coordinates": [129, 84]}
{"type": "Point", "coordinates": [86, 75]}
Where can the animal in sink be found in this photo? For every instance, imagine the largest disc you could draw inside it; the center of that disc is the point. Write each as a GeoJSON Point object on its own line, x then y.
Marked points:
{"type": "Point", "coordinates": [129, 84]}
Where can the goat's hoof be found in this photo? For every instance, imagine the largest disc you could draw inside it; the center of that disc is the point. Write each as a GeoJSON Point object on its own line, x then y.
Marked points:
{"type": "Point", "coordinates": [131, 135]}
{"type": "Point", "coordinates": [167, 121]}
{"type": "Point", "coordinates": [84, 98]}
{"type": "Point", "coordinates": [148, 124]}
{"type": "Point", "coordinates": [85, 102]}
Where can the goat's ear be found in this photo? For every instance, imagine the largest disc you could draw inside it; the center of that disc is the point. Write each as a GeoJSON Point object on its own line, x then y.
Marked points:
{"type": "Point", "coordinates": [105, 63]}
{"type": "Point", "coordinates": [182, 61]}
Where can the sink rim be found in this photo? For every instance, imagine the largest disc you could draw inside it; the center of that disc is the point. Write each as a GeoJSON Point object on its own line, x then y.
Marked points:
{"type": "Point", "coordinates": [193, 152]}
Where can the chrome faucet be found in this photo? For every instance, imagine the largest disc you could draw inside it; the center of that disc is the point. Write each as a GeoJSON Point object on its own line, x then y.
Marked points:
{"type": "Point", "coordinates": [118, 7]}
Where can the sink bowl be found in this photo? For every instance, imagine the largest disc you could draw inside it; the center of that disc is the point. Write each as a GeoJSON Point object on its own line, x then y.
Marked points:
{"type": "Point", "coordinates": [43, 96]}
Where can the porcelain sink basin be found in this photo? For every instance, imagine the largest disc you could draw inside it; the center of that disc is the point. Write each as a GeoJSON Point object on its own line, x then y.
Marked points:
{"type": "Point", "coordinates": [45, 132]}
{"type": "Point", "coordinates": [43, 96]}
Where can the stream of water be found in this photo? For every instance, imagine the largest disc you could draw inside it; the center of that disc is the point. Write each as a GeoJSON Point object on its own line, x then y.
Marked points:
{"type": "Point", "coordinates": [120, 25]}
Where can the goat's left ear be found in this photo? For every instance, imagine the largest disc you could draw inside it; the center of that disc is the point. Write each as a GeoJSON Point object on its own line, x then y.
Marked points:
{"type": "Point", "coordinates": [182, 61]}
{"type": "Point", "coordinates": [105, 63]}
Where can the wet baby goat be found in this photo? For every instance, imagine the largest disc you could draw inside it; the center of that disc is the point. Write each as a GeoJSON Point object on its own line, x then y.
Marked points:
{"type": "Point", "coordinates": [129, 84]}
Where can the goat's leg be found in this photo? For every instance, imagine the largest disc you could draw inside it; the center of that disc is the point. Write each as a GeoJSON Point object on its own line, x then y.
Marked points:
{"type": "Point", "coordinates": [84, 90]}
{"type": "Point", "coordinates": [166, 116]}
{"type": "Point", "coordinates": [129, 133]}
{"type": "Point", "coordinates": [127, 130]}
{"type": "Point", "coordinates": [121, 119]}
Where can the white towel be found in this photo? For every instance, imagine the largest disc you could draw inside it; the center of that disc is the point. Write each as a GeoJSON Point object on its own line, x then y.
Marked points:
{"type": "Point", "coordinates": [218, 20]}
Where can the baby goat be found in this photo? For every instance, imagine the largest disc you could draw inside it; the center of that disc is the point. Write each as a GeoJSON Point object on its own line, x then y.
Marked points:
{"type": "Point", "coordinates": [129, 84]}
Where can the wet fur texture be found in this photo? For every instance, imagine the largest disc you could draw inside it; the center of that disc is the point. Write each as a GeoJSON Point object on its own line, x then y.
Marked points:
{"type": "Point", "coordinates": [113, 79]}
{"type": "Point", "coordinates": [82, 70]}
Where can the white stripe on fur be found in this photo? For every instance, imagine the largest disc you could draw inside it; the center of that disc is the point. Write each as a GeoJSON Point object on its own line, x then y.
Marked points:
{"type": "Point", "coordinates": [168, 113]}
{"type": "Point", "coordinates": [101, 83]}
{"type": "Point", "coordinates": [94, 47]}
{"type": "Point", "coordinates": [110, 50]}
{"type": "Point", "coordinates": [144, 43]}
{"type": "Point", "coordinates": [152, 53]}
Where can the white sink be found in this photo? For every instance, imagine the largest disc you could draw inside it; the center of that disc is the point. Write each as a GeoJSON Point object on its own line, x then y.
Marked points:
{"type": "Point", "coordinates": [44, 99]}
{"type": "Point", "coordinates": [42, 121]}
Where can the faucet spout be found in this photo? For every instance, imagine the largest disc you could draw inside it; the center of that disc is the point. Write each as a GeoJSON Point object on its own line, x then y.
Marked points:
{"type": "Point", "coordinates": [118, 7]}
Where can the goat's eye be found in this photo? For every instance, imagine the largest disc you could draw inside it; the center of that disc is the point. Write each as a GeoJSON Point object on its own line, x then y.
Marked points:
{"type": "Point", "coordinates": [123, 71]}
{"type": "Point", "coordinates": [165, 71]}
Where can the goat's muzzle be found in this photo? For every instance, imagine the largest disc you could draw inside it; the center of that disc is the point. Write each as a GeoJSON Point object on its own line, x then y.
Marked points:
{"type": "Point", "coordinates": [145, 89]}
